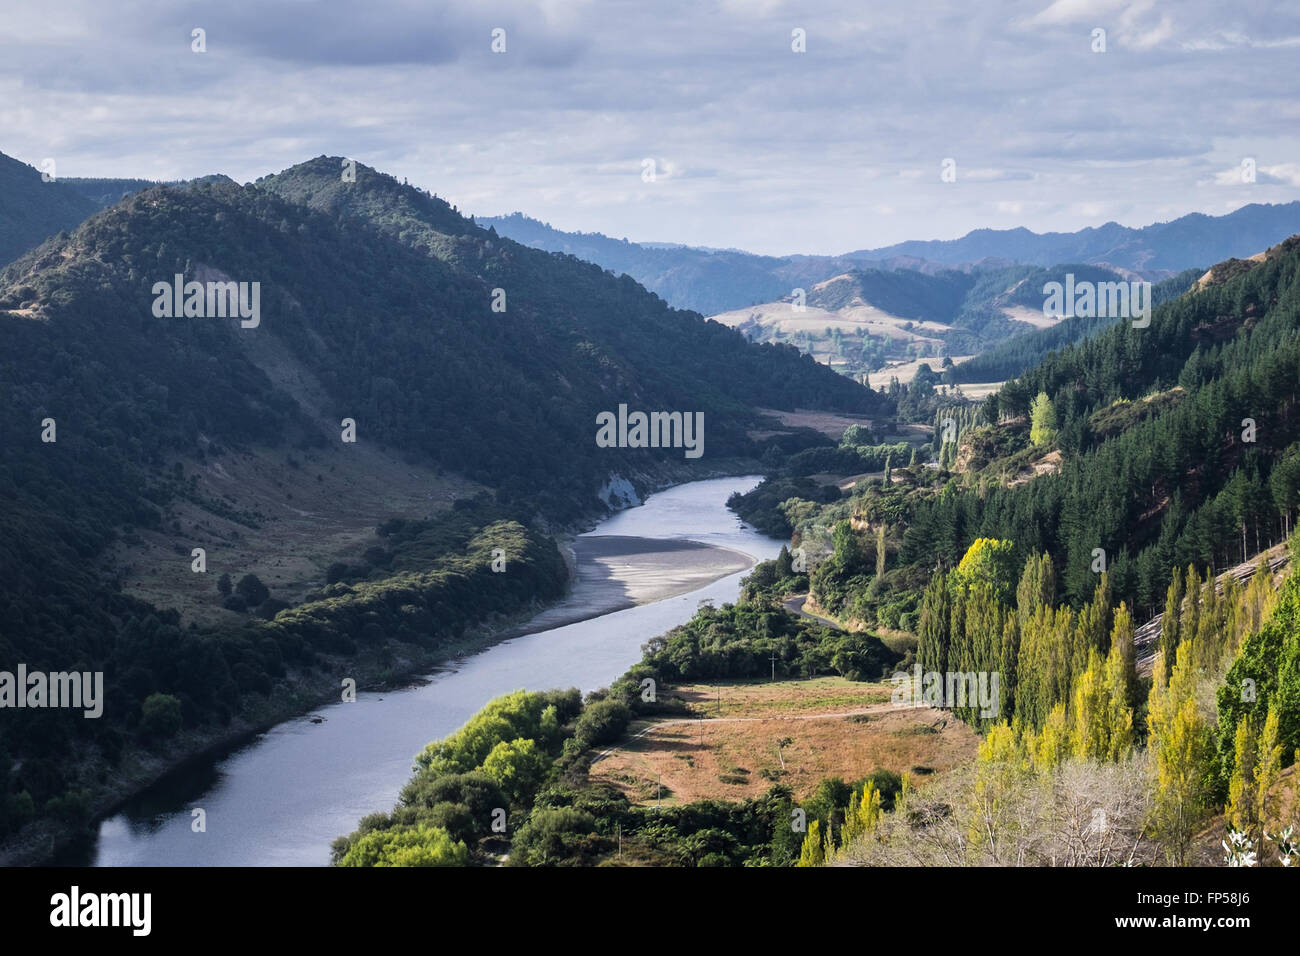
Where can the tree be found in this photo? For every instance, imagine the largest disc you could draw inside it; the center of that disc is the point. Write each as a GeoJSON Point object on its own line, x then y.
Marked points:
{"type": "Point", "coordinates": [252, 590]}
{"type": "Point", "coordinates": [419, 845]}
{"type": "Point", "coordinates": [784, 564]}
{"type": "Point", "coordinates": [989, 561]}
{"type": "Point", "coordinates": [1102, 718]}
{"type": "Point", "coordinates": [1089, 733]}
{"type": "Point", "coordinates": [1268, 767]}
{"type": "Point", "coordinates": [933, 631]}
{"type": "Point", "coordinates": [1042, 416]}
{"type": "Point", "coordinates": [1037, 587]}
{"type": "Point", "coordinates": [813, 851]}
{"type": "Point", "coordinates": [1121, 664]}
{"type": "Point", "coordinates": [1178, 736]}
{"type": "Point", "coordinates": [518, 766]}
{"type": "Point", "coordinates": [160, 716]}
{"type": "Point", "coordinates": [1257, 761]}
{"type": "Point", "coordinates": [863, 815]}
{"type": "Point", "coordinates": [1242, 811]}
{"type": "Point", "coordinates": [223, 585]}
{"type": "Point", "coordinates": [848, 552]}
{"type": "Point", "coordinates": [1170, 621]}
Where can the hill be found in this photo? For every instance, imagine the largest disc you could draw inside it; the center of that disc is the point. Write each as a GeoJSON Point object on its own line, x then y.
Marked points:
{"type": "Point", "coordinates": [105, 192]}
{"type": "Point", "coordinates": [134, 437]}
{"type": "Point", "coordinates": [32, 210]}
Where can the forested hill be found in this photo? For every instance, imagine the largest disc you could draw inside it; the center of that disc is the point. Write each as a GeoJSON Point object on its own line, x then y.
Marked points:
{"type": "Point", "coordinates": [1139, 451]}
{"type": "Point", "coordinates": [1179, 443]}
{"type": "Point", "coordinates": [1022, 352]}
{"type": "Point", "coordinates": [405, 342]}
{"type": "Point", "coordinates": [710, 281]}
{"type": "Point", "coordinates": [32, 209]}
{"type": "Point", "coordinates": [609, 322]}
{"type": "Point", "coordinates": [132, 437]}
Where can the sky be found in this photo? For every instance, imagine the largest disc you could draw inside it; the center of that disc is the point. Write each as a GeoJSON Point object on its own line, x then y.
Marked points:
{"type": "Point", "coordinates": [755, 146]}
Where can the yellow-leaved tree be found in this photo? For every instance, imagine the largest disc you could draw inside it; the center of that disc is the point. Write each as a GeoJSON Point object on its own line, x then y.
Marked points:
{"type": "Point", "coordinates": [813, 851]}
{"type": "Point", "coordinates": [1180, 740]}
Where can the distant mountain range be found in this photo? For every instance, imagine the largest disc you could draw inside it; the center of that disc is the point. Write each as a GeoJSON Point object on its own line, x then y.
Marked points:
{"type": "Point", "coordinates": [1192, 240]}
{"type": "Point", "coordinates": [710, 281]}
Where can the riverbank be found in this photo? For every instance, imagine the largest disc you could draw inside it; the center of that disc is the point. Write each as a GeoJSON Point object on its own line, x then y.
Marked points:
{"type": "Point", "coordinates": [614, 572]}
{"type": "Point", "coordinates": [610, 572]}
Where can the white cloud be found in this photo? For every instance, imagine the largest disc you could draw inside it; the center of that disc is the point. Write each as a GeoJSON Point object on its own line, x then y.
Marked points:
{"type": "Point", "coordinates": [836, 149]}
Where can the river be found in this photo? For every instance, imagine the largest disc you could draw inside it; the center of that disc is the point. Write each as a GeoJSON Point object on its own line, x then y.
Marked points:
{"type": "Point", "coordinates": [283, 797]}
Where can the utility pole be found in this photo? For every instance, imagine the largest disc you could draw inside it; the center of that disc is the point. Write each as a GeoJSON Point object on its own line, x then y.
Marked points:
{"type": "Point", "coordinates": [659, 794]}
{"type": "Point", "coordinates": [773, 667]}
{"type": "Point", "coordinates": [618, 828]}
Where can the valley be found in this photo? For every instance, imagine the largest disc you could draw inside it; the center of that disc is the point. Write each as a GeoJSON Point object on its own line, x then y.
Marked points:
{"type": "Point", "coordinates": [948, 476]}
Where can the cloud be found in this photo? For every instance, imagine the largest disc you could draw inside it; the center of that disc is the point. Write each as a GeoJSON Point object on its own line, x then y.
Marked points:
{"type": "Point", "coordinates": [756, 146]}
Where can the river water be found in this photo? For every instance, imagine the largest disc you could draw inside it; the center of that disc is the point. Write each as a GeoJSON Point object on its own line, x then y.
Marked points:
{"type": "Point", "coordinates": [282, 798]}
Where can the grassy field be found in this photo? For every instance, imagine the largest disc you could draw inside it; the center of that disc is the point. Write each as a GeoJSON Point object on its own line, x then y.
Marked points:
{"type": "Point", "coordinates": [793, 732]}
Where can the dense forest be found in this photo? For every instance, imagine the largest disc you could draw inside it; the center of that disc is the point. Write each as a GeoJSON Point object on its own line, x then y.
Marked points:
{"type": "Point", "coordinates": [1136, 451]}
{"type": "Point", "coordinates": [1022, 352]}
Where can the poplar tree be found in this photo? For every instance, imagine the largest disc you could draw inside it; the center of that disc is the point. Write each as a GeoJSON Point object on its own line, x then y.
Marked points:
{"type": "Point", "coordinates": [1242, 811]}
{"type": "Point", "coordinates": [1169, 624]}
{"type": "Point", "coordinates": [1180, 740]}
{"type": "Point", "coordinates": [1269, 765]}
{"type": "Point", "coordinates": [1120, 680]}
{"type": "Point", "coordinates": [813, 851]}
{"type": "Point", "coordinates": [1037, 587]}
{"type": "Point", "coordinates": [1125, 654]}
{"type": "Point", "coordinates": [1089, 734]}
{"type": "Point", "coordinates": [1042, 416]}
